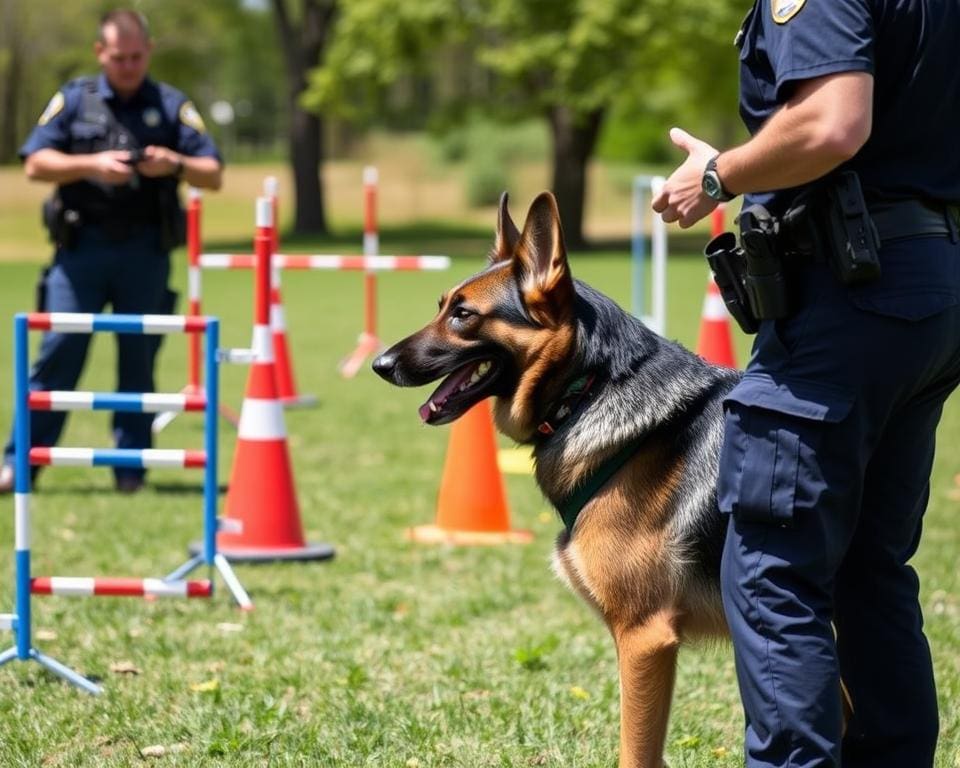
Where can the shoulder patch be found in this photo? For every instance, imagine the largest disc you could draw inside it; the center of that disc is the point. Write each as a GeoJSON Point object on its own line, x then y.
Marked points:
{"type": "Point", "coordinates": [784, 10]}
{"type": "Point", "coordinates": [190, 117]}
{"type": "Point", "coordinates": [54, 107]}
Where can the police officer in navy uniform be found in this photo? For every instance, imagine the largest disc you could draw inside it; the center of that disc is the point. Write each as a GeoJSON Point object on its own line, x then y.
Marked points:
{"type": "Point", "coordinates": [829, 438]}
{"type": "Point", "coordinates": [116, 146]}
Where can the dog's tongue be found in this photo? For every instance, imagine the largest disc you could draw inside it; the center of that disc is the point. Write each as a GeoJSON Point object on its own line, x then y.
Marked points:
{"type": "Point", "coordinates": [450, 385]}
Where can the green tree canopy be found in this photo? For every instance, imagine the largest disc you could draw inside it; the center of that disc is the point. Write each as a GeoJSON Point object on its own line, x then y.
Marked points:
{"type": "Point", "coordinates": [567, 61]}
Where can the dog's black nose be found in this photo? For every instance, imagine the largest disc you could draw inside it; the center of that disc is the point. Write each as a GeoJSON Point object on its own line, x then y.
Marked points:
{"type": "Point", "coordinates": [384, 364]}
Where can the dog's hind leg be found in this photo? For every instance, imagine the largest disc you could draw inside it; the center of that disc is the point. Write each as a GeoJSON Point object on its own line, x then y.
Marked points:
{"type": "Point", "coordinates": [647, 658]}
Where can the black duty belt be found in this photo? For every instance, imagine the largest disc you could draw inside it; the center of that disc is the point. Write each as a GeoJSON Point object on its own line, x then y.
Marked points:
{"type": "Point", "coordinates": [914, 218]}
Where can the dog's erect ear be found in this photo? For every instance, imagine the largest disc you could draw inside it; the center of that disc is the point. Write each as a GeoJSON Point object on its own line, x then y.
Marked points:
{"type": "Point", "coordinates": [540, 264]}
{"type": "Point", "coordinates": [507, 234]}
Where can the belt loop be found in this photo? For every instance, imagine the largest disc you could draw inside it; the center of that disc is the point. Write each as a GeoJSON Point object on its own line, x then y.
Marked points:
{"type": "Point", "coordinates": [953, 222]}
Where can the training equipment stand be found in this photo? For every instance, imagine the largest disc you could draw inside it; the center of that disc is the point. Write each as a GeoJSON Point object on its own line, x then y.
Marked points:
{"type": "Point", "coordinates": [25, 456]}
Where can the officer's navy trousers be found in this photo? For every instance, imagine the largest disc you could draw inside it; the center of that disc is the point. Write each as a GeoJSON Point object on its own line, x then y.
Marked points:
{"type": "Point", "coordinates": [131, 276]}
{"type": "Point", "coordinates": [825, 470]}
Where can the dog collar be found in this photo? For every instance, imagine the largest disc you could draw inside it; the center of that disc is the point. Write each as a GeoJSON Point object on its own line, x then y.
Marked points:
{"type": "Point", "coordinates": [570, 507]}
{"type": "Point", "coordinates": [567, 404]}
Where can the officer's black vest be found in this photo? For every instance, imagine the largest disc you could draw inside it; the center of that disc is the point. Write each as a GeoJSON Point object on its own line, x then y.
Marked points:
{"type": "Point", "coordinates": [144, 200]}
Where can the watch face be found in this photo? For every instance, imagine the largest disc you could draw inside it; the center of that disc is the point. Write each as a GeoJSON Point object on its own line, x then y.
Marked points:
{"type": "Point", "coordinates": [711, 185]}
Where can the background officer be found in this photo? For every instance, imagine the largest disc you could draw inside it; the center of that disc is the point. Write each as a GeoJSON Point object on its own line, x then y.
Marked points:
{"type": "Point", "coordinates": [117, 146]}
{"type": "Point", "coordinates": [829, 437]}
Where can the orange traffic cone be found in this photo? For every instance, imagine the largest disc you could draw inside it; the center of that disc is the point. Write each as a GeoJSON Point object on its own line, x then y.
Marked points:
{"type": "Point", "coordinates": [286, 382]}
{"type": "Point", "coordinates": [262, 517]}
{"type": "Point", "coordinates": [472, 506]}
{"type": "Point", "coordinates": [715, 344]}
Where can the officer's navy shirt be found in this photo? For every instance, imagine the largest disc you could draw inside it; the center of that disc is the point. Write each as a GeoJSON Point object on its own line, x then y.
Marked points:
{"type": "Point", "coordinates": [911, 47]}
{"type": "Point", "coordinates": [157, 114]}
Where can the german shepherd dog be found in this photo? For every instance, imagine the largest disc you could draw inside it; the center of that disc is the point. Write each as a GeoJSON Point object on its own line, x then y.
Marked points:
{"type": "Point", "coordinates": [645, 549]}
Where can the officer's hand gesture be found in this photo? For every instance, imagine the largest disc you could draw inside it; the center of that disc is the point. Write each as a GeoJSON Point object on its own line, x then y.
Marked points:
{"type": "Point", "coordinates": [159, 161]}
{"type": "Point", "coordinates": [682, 199]}
{"type": "Point", "coordinates": [112, 167]}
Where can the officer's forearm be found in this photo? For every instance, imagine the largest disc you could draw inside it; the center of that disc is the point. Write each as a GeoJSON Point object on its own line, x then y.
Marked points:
{"type": "Point", "coordinates": [58, 167]}
{"type": "Point", "coordinates": [824, 124]}
{"type": "Point", "coordinates": [202, 172]}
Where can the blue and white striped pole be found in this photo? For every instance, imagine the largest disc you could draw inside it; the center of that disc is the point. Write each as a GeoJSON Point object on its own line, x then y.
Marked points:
{"type": "Point", "coordinates": [210, 443]}
{"type": "Point", "coordinates": [21, 474]}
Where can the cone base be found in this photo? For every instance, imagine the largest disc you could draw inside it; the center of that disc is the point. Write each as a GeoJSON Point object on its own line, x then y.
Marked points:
{"type": "Point", "coordinates": [305, 553]}
{"type": "Point", "coordinates": [434, 534]}
{"type": "Point", "coordinates": [299, 401]}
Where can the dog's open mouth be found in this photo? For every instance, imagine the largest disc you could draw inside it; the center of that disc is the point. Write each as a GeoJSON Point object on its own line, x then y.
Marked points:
{"type": "Point", "coordinates": [461, 389]}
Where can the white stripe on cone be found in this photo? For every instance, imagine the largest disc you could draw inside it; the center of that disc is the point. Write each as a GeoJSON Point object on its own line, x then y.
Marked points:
{"type": "Point", "coordinates": [262, 420]}
{"type": "Point", "coordinates": [262, 344]}
{"type": "Point", "coordinates": [278, 320]}
{"type": "Point", "coordinates": [713, 307]}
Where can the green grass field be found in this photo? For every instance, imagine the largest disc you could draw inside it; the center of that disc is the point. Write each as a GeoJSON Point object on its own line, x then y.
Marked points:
{"type": "Point", "coordinates": [392, 654]}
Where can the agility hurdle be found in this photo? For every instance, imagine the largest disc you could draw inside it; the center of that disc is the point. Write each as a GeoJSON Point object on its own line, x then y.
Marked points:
{"type": "Point", "coordinates": [26, 456]}
{"type": "Point", "coordinates": [371, 263]}
{"type": "Point", "coordinates": [645, 188]}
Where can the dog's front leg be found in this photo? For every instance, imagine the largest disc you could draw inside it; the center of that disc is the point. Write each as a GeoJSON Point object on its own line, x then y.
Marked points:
{"type": "Point", "coordinates": [647, 657]}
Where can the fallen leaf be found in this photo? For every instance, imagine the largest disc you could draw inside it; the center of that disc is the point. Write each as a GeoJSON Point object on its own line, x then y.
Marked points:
{"type": "Point", "coordinates": [46, 634]}
{"type": "Point", "coordinates": [125, 668]}
{"type": "Point", "coordinates": [720, 752]}
{"type": "Point", "coordinates": [226, 626]}
{"type": "Point", "coordinates": [578, 693]}
{"type": "Point", "coordinates": [205, 687]}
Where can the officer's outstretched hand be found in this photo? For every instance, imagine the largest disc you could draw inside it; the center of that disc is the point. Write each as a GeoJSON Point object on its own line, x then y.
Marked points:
{"type": "Point", "coordinates": [682, 199]}
{"type": "Point", "coordinates": [158, 161]}
{"type": "Point", "coordinates": [112, 167]}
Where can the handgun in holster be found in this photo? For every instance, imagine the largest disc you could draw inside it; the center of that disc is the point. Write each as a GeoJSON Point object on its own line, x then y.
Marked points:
{"type": "Point", "coordinates": [764, 279]}
{"type": "Point", "coordinates": [728, 264]}
{"type": "Point", "coordinates": [62, 224]}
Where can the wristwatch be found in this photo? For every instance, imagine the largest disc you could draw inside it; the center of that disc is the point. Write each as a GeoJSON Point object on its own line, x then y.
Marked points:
{"type": "Point", "coordinates": [711, 184]}
{"type": "Point", "coordinates": [178, 169]}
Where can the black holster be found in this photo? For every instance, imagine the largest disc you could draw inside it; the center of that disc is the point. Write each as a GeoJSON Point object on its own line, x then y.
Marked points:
{"type": "Point", "coordinates": [828, 222]}
{"type": "Point", "coordinates": [62, 224]}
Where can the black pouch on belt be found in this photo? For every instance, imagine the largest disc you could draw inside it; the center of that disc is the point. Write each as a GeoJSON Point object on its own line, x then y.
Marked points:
{"type": "Point", "coordinates": [852, 239]}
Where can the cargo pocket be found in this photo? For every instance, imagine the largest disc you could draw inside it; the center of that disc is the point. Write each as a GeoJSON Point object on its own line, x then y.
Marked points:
{"type": "Point", "coordinates": [768, 465]}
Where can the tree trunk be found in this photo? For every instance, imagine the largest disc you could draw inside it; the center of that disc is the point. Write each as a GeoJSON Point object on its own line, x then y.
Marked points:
{"type": "Point", "coordinates": [10, 88]}
{"type": "Point", "coordinates": [574, 141]}
{"type": "Point", "coordinates": [303, 42]}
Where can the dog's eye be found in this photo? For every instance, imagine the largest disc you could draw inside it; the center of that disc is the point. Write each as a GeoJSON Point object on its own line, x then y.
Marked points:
{"type": "Point", "coordinates": [461, 313]}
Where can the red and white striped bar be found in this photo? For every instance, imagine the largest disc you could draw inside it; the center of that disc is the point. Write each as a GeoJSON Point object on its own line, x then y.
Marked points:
{"type": "Point", "coordinates": [80, 586]}
{"type": "Point", "coordinates": [118, 457]}
{"type": "Point", "coordinates": [83, 322]}
{"type": "Point", "coordinates": [130, 402]}
{"type": "Point", "coordinates": [331, 262]}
